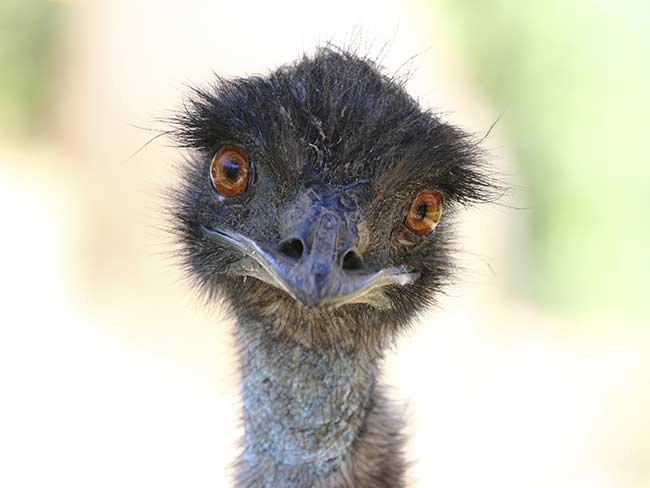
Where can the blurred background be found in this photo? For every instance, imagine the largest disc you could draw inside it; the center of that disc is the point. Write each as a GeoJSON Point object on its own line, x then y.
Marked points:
{"type": "Point", "coordinates": [534, 372]}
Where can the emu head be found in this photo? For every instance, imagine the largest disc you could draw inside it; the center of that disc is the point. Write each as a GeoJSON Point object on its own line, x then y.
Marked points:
{"type": "Point", "coordinates": [319, 200]}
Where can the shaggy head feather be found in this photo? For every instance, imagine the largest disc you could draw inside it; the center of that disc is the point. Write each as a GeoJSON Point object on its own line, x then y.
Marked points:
{"type": "Point", "coordinates": [329, 126]}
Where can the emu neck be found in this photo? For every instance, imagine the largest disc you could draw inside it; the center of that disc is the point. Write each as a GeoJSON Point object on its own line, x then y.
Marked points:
{"type": "Point", "coordinates": [303, 408]}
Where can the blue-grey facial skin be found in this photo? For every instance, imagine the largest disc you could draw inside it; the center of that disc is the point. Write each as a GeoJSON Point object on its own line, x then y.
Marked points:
{"type": "Point", "coordinates": [314, 259]}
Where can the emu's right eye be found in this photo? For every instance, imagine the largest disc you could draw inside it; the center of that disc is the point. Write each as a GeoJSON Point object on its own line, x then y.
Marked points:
{"type": "Point", "coordinates": [229, 171]}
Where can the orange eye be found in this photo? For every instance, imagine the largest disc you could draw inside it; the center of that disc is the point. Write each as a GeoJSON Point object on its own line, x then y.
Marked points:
{"type": "Point", "coordinates": [425, 213]}
{"type": "Point", "coordinates": [229, 171]}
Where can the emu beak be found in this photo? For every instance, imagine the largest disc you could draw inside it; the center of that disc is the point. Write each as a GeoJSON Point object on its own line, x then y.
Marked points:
{"type": "Point", "coordinates": [317, 278]}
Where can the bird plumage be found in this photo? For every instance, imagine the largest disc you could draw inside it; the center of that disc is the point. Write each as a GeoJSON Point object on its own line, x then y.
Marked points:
{"type": "Point", "coordinates": [338, 152]}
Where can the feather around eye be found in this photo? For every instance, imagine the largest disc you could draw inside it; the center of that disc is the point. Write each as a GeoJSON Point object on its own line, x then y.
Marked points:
{"type": "Point", "coordinates": [424, 213]}
{"type": "Point", "coordinates": [229, 171]}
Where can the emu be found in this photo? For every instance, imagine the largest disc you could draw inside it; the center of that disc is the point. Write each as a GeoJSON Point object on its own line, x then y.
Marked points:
{"type": "Point", "coordinates": [318, 203]}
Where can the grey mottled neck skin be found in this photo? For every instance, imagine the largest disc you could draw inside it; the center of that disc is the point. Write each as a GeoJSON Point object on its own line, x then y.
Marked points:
{"type": "Point", "coordinates": [314, 418]}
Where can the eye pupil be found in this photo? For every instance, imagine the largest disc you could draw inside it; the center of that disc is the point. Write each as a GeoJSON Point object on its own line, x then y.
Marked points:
{"type": "Point", "coordinates": [231, 169]}
{"type": "Point", "coordinates": [421, 211]}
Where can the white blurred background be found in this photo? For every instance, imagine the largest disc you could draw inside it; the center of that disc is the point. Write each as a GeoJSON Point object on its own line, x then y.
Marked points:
{"type": "Point", "coordinates": [113, 374]}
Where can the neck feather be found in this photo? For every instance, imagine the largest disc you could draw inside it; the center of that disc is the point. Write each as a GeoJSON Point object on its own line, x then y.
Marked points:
{"type": "Point", "coordinates": [307, 412]}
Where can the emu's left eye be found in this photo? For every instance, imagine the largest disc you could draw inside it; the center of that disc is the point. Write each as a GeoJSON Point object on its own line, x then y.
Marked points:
{"type": "Point", "coordinates": [229, 171]}
{"type": "Point", "coordinates": [425, 212]}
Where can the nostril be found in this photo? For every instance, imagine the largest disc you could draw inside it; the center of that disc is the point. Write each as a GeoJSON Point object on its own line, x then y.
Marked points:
{"type": "Point", "coordinates": [293, 248]}
{"type": "Point", "coordinates": [352, 260]}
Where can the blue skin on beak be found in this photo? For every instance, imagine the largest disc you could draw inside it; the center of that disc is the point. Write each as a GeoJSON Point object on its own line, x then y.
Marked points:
{"type": "Point", "coordinates": [317, 277]}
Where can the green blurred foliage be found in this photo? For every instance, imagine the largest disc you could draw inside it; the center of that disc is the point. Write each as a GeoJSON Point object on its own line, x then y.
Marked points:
{"type": "Point", "coordinates": [573, 78]}
{"type": "Point", "coordinates": [28, 53]}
